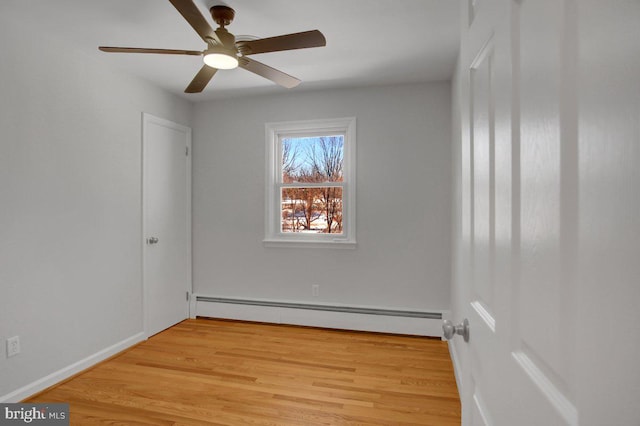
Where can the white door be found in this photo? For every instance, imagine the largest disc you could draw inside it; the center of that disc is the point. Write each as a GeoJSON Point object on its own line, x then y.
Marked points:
{"type": "Point", "coordinates": [166, 222]}
{"type": "Point", "coordinates": [549, 105]}
{"type": "Point", "coordinates": [489, 233]}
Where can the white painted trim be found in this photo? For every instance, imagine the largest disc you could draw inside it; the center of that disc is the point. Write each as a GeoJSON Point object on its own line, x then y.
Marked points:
{"type": "Point", "coordinates": [457, 367]}
{"type": "Point", "coordinates": [481, 408]}
{"type": "Point", "coordinates": [68, 371]}
{"type": "Point", "coordinates": [559, 401]}
{"type": "Point", "coordinates": [189, 225]}
{"type": "Point", "coordinates": [484, 313]}
{"type": "Point", "coordinates": [300, 243]}
{"type": "Point", "coordinates": [273, 236]}
{"type": "Point", "coordinates": [487, 49]}
{"type": "Point", "coordinates": [319, 318]}
{"type": "Point", "coordinates": [146, 119]}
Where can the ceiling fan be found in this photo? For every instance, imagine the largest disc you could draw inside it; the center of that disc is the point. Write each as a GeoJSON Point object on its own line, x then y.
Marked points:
{"type": "Point", "coordinates": [225, 52]}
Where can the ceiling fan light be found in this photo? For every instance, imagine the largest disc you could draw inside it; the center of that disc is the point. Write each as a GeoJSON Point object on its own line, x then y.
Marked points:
{"type": "Point", "coordinates": [221, 60]}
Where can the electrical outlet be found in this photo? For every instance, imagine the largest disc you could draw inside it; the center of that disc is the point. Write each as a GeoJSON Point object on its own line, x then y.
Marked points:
{"type": "Point", "coordinates": [315, 290]}
{"type": "Point", "coordinates": [13, 346]}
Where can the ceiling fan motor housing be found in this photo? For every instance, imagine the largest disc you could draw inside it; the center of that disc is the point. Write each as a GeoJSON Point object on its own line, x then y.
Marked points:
{"type": "Point", "coordinates": [222, 15]}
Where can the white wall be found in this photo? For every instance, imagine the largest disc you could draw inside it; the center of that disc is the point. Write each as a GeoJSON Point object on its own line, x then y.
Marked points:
{"type": "Point", "coordinates": [403, 200]}
{"type": "Point", "coordinates": [70, 191]}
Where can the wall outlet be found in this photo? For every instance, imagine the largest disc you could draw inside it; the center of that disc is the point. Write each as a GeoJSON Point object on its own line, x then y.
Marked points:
{"type": "Point", "coordinates": [315, 290]}
{"type": "Point", "coordinates": [13, 346]}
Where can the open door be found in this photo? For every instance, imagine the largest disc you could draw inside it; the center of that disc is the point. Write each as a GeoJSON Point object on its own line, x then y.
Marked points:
{"type": "Point", "coordinates": [549, 104]}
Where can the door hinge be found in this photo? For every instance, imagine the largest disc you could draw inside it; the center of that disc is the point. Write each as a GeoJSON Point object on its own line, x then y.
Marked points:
{"type": "Point", "coordinates": [187, 296]}
{"type": "Point", "coordinates": [186, 151]}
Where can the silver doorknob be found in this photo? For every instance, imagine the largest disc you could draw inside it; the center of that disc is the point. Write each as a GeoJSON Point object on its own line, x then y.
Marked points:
{"type": "Point", "coordinates": [152, 240]}
{"type": "Point", "coordinates": [451, 330]}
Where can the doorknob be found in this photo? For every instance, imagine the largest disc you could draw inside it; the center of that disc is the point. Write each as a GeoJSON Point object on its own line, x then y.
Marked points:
{"type": "Point", "coordinates": [451, 330]}
{"type": "Point", "coordinates": [152, 240]}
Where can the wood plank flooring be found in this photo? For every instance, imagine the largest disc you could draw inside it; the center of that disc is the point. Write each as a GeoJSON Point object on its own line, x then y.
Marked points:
{"type": "Point", "coordinates": [216, 372]}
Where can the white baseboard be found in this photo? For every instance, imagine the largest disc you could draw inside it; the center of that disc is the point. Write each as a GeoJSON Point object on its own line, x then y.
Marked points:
{"type": "Point", "coordinates": [338, 317]}
{"type": "Point", "coordinates": [66, 372]}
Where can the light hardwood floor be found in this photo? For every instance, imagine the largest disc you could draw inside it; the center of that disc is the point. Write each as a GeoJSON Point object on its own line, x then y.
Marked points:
{"type": "Point", "coordinates": [235, 373]}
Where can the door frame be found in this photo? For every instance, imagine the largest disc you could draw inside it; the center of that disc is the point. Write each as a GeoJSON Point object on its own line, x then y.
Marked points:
{"type": "Point", "coordinates": [148, 119]}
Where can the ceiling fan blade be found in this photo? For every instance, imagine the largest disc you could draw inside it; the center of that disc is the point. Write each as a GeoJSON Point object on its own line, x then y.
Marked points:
{"type": "Point", "coordinates": [269, 73]}
{"type": "Point", "coordinates": [191, 13]}
{"type": "Point", "coordinates": [142, 50]}
{"type": "Point", "coordinates": [284, 42]}
{"type": "Point", "coordinates": [201, 79]}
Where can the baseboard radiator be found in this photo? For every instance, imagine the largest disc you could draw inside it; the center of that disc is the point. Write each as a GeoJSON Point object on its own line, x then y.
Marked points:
{"type": "Point", "coordinates": [420, 323]}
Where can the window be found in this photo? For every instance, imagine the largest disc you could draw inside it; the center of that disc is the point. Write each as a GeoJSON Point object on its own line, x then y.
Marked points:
{"type": "Point", "coordinates": [310, 194]}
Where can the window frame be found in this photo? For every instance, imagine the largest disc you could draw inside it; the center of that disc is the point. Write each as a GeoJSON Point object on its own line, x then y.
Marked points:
{"type": "Point", "coordinates": [274, 133]}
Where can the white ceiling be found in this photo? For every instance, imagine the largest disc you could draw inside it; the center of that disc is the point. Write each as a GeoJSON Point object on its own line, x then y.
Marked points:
{"type": "Point", "coordinates": [369, 42]}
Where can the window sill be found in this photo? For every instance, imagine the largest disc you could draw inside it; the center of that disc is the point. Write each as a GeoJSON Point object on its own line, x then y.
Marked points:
{"type": "Point", "coordinates": [297, 243]}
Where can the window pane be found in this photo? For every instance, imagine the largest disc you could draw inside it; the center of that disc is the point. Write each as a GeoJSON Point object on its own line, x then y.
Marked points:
{"type": "Point", "coordinates": [312, 159]}
{"type": "Point", "coordinates": [316, 210]}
